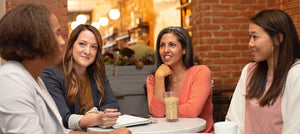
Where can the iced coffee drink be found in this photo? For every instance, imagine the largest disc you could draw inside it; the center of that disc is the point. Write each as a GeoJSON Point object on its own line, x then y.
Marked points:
{"type": "Point", "coordinates": [171, 107]}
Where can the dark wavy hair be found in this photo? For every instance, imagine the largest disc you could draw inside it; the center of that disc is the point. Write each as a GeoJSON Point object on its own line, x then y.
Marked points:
{"type": "Point", "coordinates": [26, 32]}
{"type": "Point", "coordinates": [97, 68]}
{"type": "Point", "coordinates": [186, 43]}
{"type": "Point", "coordinates": [276, 23]}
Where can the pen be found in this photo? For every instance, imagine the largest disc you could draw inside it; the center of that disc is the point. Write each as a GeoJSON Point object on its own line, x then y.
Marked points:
{"type": "Point", "coordinates": [110, 110]}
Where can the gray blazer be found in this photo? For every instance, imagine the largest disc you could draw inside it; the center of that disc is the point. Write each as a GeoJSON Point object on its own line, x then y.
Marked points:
{"type": "Point", "coordinates": [54, 80]}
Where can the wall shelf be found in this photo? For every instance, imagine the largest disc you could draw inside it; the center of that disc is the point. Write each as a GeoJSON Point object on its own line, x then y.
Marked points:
{"type": "Point", "coordinates": [188, 28]}
{"type": "Point", "coordinates": [131, 42]}
{"type": "Point", "coordinates": [186, 13]}
{"type": "Point", "coordinates": [108, 36]}
{"type": "Point", "coordinates": [122, 37]}
{"type": "Point", "coordinates": [141, 25]}
{"type": "Point", "coordinates": [108, 45]}
{"type": "Point", "coordinates": [141, 29]}
{"type": "Point", "coordinates": [184, 5]}
{"type": "Point", "coordinates": [122, 40]}
{"type": "Point", "coordinates": [109, 39]}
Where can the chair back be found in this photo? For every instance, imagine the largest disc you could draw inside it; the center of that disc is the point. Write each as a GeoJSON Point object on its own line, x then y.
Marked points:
{"type": "Point", "coordinates": [220, 108]}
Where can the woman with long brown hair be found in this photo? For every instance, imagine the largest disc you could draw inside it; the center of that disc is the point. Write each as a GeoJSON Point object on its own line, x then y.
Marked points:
{"type": "Point", "coordinates": [78, 84]}
{"type": "Point", "coordinates": [266, 99]}
{"type": "Point", "coordinates": [26, 106]}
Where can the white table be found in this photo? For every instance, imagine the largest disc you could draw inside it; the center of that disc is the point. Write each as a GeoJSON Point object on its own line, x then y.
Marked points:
{"type": "Point", "coordinates": [184, 125]}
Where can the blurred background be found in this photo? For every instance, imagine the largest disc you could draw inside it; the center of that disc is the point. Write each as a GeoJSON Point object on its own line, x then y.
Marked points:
{"type": "Point", "coordinates": [219, 28]}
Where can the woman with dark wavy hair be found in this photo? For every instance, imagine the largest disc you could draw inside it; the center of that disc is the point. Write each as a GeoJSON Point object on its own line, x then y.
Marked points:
{"type": "Point", "coordinates": [174, 71]}
{"type": "Point", "coordinates": [266, 99]}
{"type": "Point", "coordinates": [78, 84]}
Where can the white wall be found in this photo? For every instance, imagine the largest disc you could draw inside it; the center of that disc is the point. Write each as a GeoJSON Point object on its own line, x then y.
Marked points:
{"type": "Point", "coordinates": [2, 11]}
{"type": "Point", "coordinates": [165, 14]}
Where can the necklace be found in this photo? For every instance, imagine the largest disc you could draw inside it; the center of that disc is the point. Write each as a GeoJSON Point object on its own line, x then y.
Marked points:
{"type": "Point", "coordinates": [180, 78]}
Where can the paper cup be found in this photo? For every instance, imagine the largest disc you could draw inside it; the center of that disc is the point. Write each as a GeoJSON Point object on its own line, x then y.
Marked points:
{"type": "Point", "coordinates": [228, 127]}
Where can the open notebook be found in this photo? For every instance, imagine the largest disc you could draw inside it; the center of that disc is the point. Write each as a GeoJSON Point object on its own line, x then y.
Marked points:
{"type": "Point", "coordinates": [130, 120]}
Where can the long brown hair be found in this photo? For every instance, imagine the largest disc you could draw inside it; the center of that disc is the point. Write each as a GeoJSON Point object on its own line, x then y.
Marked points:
{"type": "Point", "coordinates": [97, 68]}
{"type": "Point", "coordinates": [276, 23]}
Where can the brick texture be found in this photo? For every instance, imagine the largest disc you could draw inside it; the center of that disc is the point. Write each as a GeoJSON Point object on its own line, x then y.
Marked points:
{"type": "Point", "coordinates": [220, 34]}
{"type": "Point", "coordinates": [292, 7]}
{"type": "Point", "coordinates": [58, 7]}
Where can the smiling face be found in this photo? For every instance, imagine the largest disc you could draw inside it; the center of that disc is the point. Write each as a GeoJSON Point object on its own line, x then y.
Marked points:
{"type": "Point", "coordinates": [171, 51]}
{"type": "Point", "coordinates": [260, 43]}
{"type": "Point", "coordinates": [85, 49]}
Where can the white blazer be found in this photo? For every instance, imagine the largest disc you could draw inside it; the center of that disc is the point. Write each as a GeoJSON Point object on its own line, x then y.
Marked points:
{"type": "Point", "coordinates": [25, 105]}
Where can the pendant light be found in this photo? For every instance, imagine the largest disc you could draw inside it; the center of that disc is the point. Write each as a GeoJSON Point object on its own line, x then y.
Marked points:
{"type": "Point", "coordinates": [103, 21]}
{"type": "Point", "coordinates": [114, 14]}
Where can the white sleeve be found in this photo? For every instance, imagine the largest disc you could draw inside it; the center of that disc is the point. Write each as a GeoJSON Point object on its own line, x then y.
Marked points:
{"type": "Point", "coordinates": [18, 108]}
{"type": "Point", "coordinates": [236, 111]}
{"type": "Point", "coordinates": [74, 119]}
{"type": "Point", "coordinates": [67, 131]}
{"type": "Point", "coordinates": [74, 122]}
{"type": "Point", "coordinates": [290, 105]}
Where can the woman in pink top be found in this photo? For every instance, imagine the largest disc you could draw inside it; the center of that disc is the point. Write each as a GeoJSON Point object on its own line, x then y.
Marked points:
{"type": "Point", "coordinates": [175, 71]}
{"type": "Point", "coordinates": [267, 97]}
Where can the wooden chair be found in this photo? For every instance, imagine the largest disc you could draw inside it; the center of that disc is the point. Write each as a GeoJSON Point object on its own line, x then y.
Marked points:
{"type": "Point", "coordinates": [220, 108]}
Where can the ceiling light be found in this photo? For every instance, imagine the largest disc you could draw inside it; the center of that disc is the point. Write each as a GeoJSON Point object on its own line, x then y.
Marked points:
{"type": "Point", "coordinates": [96, 25]}
{"type": "Point", "coordinates": [81, 19]}
{"type": "Point", "coordinates": [114, 14]}
{"type": "Point", "coordinates": [103, 21]}
{"type": "Point", "coordinates": [74, 24]}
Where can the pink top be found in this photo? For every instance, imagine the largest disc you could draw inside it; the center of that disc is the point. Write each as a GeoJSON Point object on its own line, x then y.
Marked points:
{"type": "Point", "coordinates": [195, 96]}
{"type": "Point", "coordinates": [263, 120]}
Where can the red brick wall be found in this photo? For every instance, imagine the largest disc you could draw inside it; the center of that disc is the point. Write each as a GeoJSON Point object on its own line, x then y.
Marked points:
{"type": "Point", "coordinates": [58, 7]}
{"type": "Point", "coordinates": [220, 33]}
{"type": "Point", "coordinates": [220, 36]}
{"type": "Point", "coordinates": [292, 7]}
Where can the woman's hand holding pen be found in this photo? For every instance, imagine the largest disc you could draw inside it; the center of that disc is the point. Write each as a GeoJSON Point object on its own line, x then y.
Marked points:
{"type": "Point", "coordinates": [109, 117]}
{"type": "Point", "coordinates": [106, 118]}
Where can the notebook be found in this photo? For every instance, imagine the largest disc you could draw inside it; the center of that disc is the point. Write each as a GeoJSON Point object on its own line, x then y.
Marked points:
{"type": "Point", "coordinates": [130, 120]}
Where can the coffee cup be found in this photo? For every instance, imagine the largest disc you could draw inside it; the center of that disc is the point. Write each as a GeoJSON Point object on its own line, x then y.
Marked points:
{"type": "Point", "coordinates": [225, 127]}
{"type": "Point", "coordinates": [171, 101]}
